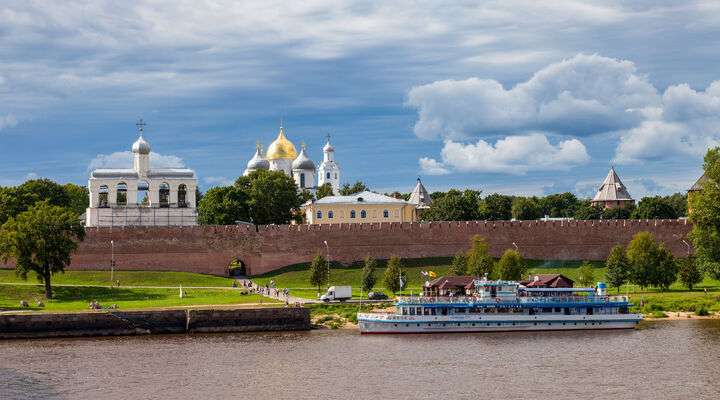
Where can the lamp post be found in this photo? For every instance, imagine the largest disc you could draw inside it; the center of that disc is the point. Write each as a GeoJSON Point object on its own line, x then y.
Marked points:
{"type": "Point", "coordinates": [112, 261]}
{"type": "Point", "coordinates": [327, 249]}
{"type": "Point", "coordinates": [689, 248]}
{"type": "Point", "coordinates": [516, 246]}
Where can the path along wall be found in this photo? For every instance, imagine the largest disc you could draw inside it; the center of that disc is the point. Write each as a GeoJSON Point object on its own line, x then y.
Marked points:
{"type": "Point", "coordinates": [209, 249]}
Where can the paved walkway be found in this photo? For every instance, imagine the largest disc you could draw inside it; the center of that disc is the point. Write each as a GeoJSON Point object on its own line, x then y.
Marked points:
{"type": "Point", "coordinates": [274, 293]}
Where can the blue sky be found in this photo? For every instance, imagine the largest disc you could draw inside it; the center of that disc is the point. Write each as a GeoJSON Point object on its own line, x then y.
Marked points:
{"type": "Point", "coordinates": [510, 96]}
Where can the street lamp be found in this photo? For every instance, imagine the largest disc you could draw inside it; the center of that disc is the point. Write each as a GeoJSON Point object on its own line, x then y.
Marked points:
{"type": "Point", "coordinates": [112, 261]}
{"type": "Point", "coordinates": [327, 248]}
{"type": "Point", "coordinates": [689, 248]}
{"type": "Point", "coordinates": [516, 246]}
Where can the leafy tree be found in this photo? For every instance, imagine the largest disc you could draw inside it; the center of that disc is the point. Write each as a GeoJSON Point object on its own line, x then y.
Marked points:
{"type": "Point", "coordinates": [678, 201]}
{"type": "Point", "coordinates": [479, 261]}
{"type": "Point", "coordinates": [272, 197]}
{"type": "Point", "coordinates": [496, 207]}
{"type": "Point", "coordinates": [526, 208]}
{"type": "Point", "coordinates": [511, 265]}
{"type": "Point", "coordinates": [587, 211]}
{"type": "Point", "coordinates": [454, 206]}
{"type": "Point", "coordinates": [324, 190]}
{"type": "Point", "coordinates": [586, 274]}
{"type": "Point", "coordinates": [223, 206]}
{"type": "Point", "coordinates": [368, 274]}
{"type": "Point", "coordinates": [618, 212]}
{"type": "Point", "coordinates": [391, 278]}
{"type": "Point", "coordinates": [655, 207]}
{"type": "Point", "coordinates": [318, 272]}
{"type": "Point", "coordinates": [689, 273]}
{"type": "Point", "coordinates": [666, 269]}
{"type": "Point", "coordinates": [642, 255]}
{"type": "Point", "coordinates": [458, 265]}
{"type": "Point", "coordinates": [79, 198]}
{"type": "Point", "coordinates": [617, 267]}
{"type": "Point", "coordinates": [14, 200]}
{"type": "Point", "coordinates": [705, 216]}
{"type": "Point", "coordinates": [559, 205]}
{"type": "Point", "coordinates": [357, 187]}
{"type": "Point", "coordinates": [41, 240]}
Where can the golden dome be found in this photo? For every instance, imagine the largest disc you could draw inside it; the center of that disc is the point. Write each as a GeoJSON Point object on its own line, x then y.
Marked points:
{"type": "Point", "coordinates": [281, 148]}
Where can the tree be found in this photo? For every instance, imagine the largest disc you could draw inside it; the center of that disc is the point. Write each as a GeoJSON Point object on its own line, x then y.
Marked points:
{"type": "Point", "coordinates": [689, 273]}
{"type": "Point", "coordinates": [496, 207]}
{"type": "Point", "coordinates": [318, 272]}
{"type": "Point", "coordinates": [78, 197]}
{"type": "Point", "coordinates": [526, 208]}
{"type": "Point", "coordinates": [458, 265]}
{"type": "Point", "coordinates": [41, 240]}
{"type": "Point", "coordinates": [511, 266]}
{"type": "Point", "coordinates": [368, 274]}
{"type": "Point", "coordinates": [14, 200]}
{"type": "Point", "coordinates": [272, 197]}
{"type": "Point", "coordinates": [357, 187]}
{"type": "Point", "coordinates": [655, 207]}
{"type": "Point", "coordinates": [617, 267]}
{"type": "Point", "coordinates": [559, 205]}
{"type": "Point", "coordinates": [454, 206]}
{"type": "Point", "coordinates": [391, 278]}
{"type": "Point", "coordinates": [678, 201]}
{"type": "Point", "coordinates": [223, 206]}
{"type": "Point", "coordinates": [618, 212]}
{"type": "Point", "coordinates": [587, 211]}
{"type": "Point", "coordinates": [586, 274]}
{"type": "Point", "coordinates": [642, 257]}
{"type": "Point", "coordinates": [479, 262]}
{"type": "Point", "coordinates": [324, 190]}
{"type": "Point", "coordinates": [705, 216]}
{"type": "Point", "coordinates": [666, 269]}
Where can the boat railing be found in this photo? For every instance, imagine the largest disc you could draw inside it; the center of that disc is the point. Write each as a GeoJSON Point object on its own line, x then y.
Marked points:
{"type": "Point", "coordinates": [522, 300]}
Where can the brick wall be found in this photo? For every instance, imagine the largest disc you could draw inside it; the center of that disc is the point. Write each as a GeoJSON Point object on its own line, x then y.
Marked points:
{"type": "Point", "coordinates": [209, 249]}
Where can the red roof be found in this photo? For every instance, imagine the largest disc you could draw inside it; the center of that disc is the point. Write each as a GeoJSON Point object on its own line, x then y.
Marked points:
{"type": "Point", "coordinates": [444, 282]}
{"type": "Point", "coordinates": [548, 280]}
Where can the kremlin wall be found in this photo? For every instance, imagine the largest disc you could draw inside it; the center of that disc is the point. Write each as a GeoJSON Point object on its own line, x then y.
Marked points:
{"type": "Point", "coordinates": [210, 249]}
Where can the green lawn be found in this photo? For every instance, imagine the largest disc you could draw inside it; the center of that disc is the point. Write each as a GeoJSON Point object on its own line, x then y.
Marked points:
{"type": "Point", "coordinates": [77, 298]}
{"type": "Point", "coordinates": [126, 278]}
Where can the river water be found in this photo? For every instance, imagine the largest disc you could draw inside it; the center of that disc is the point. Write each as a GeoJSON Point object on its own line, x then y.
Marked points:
{"type": "Point", "coordinates": [661, 360]}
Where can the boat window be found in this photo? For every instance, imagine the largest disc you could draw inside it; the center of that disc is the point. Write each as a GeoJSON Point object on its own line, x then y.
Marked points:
{"type": "Point", "coordinates": [419, 311]}
{"type": "Point", "coordinates": [412, 310]}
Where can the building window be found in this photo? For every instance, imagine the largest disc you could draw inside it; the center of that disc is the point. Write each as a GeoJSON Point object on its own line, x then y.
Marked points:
{"type": "Point", "coordinates": [336, 175]}
{"type": "Point", "coordinates": [182, 196]}
{"type": "Point", "coordinates": [363, 214]}
{"type": "Point", "coordinates": [302, 180]}
{"type": "Point", "coordinates": [103, 196]}
{"type": "Point", "coordinates": [319, 214]}
{"type": "Point", "coordinates": [386, 214]}
{"type": "Point", "coordinates": [352, 214]}
{"type": "Point", "coordinates": [121, 196]}
{"type": "Point", "coordinates": [330, 214]}
{"type": "Point", "coordinates": [164, 195]}
{"type": "Point", "coordinates": [327, 175]}
{"type": "Point", "coordinates": [143, 195]}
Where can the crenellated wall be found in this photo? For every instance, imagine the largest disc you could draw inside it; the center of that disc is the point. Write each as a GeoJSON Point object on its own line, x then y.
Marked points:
{"type": "Point", "coordinates": [209, 249]}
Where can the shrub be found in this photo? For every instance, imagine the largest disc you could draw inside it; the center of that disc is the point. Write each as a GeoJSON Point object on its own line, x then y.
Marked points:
{"type": "Point", "coordinates": [658, 314]}
{"type": "Point", "coordinates": [702, 312]}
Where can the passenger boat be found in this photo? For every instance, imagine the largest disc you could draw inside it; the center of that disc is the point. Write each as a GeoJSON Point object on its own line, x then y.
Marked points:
{"type": "Point", "coordinates": [505, 306]}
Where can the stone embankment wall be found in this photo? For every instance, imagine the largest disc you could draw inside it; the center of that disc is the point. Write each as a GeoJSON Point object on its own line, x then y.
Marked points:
{"type": "Point", "coordinates": [209, 249]}
{"type": "Point", "coordinates": [104, 323]}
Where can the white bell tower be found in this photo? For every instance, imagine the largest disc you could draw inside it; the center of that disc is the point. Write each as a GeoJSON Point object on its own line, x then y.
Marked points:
{"type": "Point", "coordinates": [329, 172]}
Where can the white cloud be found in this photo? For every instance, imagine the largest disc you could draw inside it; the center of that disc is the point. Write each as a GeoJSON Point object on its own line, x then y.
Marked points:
{"type": "Point", "coordinates": [511, 155]}
{"type": "Point", "coordinates": [124, 159]}
{"type": "Point", "coordinates": [219, 180]}
{"type": "Point", "coordinates": [8, 121]}
{"type": "Point", "coordinates": [431, 166]}
{"type": "Point", "coordinates": [582, 95]}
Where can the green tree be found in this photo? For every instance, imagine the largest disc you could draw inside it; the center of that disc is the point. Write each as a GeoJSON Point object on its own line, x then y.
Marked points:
{"type": "Point", "coordinates": [479, 261]}
{"type": "Point", "coordinates": [655, 207]}
{"type": "Point", "coordinates": [223, 206]}
{"type": "Point", "coordinates": [14, 200]}
{"type": "Point", "coordinates": [666, 269]}
{"type": "Point", "coordinates": [78, 196]}
{"type": "Point", "coordinates": [368, 274]}
{"type": "Point", "coordinates": [618, 212]}
{"type": "Point", "coordinates": [324, 190]}
{"type": "Point", "coordinates": [458, 265]}
{"type": "Point", "coordinates": [511, 266]}
{"type": "Point", "coordinates": [587, 211]}
{"type": "Point", "coordinates": [454, 206]}
{"type": "Point", "coordinates": [559, 205]}
{"type": "Point", "coordinates": [357, 187]}
{"type": "Point", "coordinates": [689, 273]}
{"type": "Point", "coordinates": [391, 278]}
{"type": "Point", "coordinates": [642, 255]}
{"type": "Point", "coordinates": [496, 207]}
{"type": "Point", "coordinates": [319, 272]}
{"type": "Point", "coordinates": [273, 197]}
{"type": "Point", "coordinates": [586, 274]}
{"type": "Point", "coordinates": [42, 240]}
{"type": "Point", "coordinates": [526, 208]}
{"type": "Point", "coordinates": [705, 216]}
{"type": "Point", "coordinates": [678, 201]}
{"type": "Point", "coordinates": [617, 267]}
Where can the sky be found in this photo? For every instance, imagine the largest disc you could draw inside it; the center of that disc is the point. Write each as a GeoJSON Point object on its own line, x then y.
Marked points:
{"type": "Point", "coordinates": [515, 97]}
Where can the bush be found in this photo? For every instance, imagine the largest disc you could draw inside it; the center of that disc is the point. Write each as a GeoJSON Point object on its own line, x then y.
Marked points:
{"type": "Point", "coordinates": [702, 312]}
{"type": "Point", "coordinates": [658, 314]}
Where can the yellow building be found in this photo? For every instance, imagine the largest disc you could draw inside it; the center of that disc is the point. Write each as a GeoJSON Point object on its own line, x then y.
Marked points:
{"type": "Point", "coordinates": [363, 207]}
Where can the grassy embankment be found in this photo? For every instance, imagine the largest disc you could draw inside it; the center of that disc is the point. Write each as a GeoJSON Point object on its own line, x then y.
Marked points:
{"type": "Point", "coordinates": [146, 290]}
{"type": "Point", "coordinates": [678, 298]}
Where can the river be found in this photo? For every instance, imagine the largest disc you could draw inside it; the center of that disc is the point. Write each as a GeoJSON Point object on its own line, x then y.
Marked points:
{"type": "Point", "coordinates": [661, 360]}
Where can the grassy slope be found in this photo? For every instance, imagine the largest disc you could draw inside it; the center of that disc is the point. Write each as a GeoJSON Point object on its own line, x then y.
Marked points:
{"type": "Point", "coordinates": [126, 278]}
{"type": "Point", "coordinates": [77, 298]}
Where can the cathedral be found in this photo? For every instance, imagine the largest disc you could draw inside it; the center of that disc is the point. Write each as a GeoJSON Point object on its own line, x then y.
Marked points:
{"type": "Point", "coordinates": [282, 156]}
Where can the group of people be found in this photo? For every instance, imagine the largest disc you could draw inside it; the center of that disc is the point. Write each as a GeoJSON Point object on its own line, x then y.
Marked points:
{"type": "Point", "coordinates": [94, 305]}
{"type": "Point", "coordinates": [268, 290]}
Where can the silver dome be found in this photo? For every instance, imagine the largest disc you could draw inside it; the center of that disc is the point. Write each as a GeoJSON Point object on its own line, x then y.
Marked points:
{"type": "Point", "coordinates": [303, 161]}
{"type": "Point", "coordinates": [258, 162]}
{"type": "Point", "coordinates": [141, 146]}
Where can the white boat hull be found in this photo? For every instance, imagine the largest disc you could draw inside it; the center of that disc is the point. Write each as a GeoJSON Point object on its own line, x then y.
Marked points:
{"type": "Point", "coordinates": [392, 323]}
